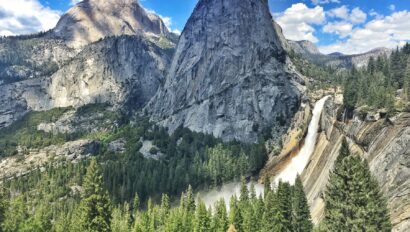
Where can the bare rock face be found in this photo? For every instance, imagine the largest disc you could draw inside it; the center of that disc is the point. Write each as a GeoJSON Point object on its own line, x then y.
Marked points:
{"type": "Point", "coordinates": [121, 67]}
{"type": "Point", "coordinates": [229, 76]}
{"type": "Point", "coordinates": [386, 146]}
{"type": "Point", "coordinates": [28, 58]}
{"type": "Point", "coordinates": [92, 20]}
{"type": "Point", "coordinates": [25, 163]}
{"type": "Point", "coordinates": [118, 70]}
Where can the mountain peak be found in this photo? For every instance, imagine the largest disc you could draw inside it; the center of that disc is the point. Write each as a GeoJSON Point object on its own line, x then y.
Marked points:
{"type": "Point", "coordinates": [228, 76]}
{"type": "Point", "coordinates": [92, 20]}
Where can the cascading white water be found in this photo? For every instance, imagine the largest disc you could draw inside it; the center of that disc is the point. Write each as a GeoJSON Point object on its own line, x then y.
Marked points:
{"type": "Point", "coordinates": [226, 192]}
{"type": "Point", "coordinates": [299, 162]}
{"type": "Point", "coordinates": [295, 167]}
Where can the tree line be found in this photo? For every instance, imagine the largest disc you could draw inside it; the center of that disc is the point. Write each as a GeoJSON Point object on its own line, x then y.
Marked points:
{"type": "Point", "coordinates": [376, 85]}
{"type": "Point", "coordinates": [353, 202]}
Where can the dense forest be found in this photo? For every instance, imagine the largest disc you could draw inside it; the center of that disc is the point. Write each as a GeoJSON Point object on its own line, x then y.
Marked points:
{"type": "Point", "coordinates": [383, 84]}
{"type": "Point", "coordinates": [353, 200]}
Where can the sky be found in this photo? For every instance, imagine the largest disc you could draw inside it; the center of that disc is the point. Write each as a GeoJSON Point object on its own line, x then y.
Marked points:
{"type": "Point", "coordinates": [346, 26]}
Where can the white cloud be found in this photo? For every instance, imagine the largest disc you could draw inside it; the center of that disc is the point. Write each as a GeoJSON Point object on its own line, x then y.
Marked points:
{"type": "Point", "coordinates": [25, 17]}
{"type": "Point", "coordinates": [343, 29]}
{"type": "Point", "coordinates": [389, 31]}
{"type": "Point", "coordinates": [355, 16]}
{"type": "Point", "coordinates": [318, 2]}
{"type": "Point", "coordinates": [392, 7]}
{"type": "Point", "coordinates": [339, 12]}
{"type": "Point", "coordinates": [375, 14]}
{"type": "Point", "coordinates": [298, 20]}
{"type": "Point", "coordinates": [176, 31]}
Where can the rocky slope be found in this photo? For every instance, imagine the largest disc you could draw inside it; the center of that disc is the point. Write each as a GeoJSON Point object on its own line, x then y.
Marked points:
{"type": "Point", "coordinates": [122, 68]}
{"type": "Point", "coordinates": [229, 75]}
{"type": "Point", "coordinates": [92, 20]}
{"type": "Point", "coordinates": [385, 143]}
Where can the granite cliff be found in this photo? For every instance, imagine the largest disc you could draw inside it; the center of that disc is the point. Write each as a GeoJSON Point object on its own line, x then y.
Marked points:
{"type": "Point", "coordinates": [60, 68]}
{"type": "Point", "coordinates": [229, 76]}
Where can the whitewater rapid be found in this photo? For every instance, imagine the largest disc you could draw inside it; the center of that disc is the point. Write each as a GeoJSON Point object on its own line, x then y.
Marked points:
{"type": "Point", "coordinates": [299, 162]}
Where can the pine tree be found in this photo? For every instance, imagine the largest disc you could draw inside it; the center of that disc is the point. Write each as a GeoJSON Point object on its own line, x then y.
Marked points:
{"type": "Point", "coordinates": [3, 208]}
{"type": "Point", "coordinates": [267, 185]}
{"type": "Point", "coordinates": [284, 207]}
{"type": "Point", "coordinates": [235, 217]}
{"type": "Point", "coordinates": [164, 209]}
{"type": "Point", "coordinates": [406, 87]}
{"type": "Point", "coordinates": [301, 220]}
{"type": "Point", "coordinates": [120, 219]}
{"type": "Point", "coordinates": [270, 212]}
{"type": "Point", "coordinates": [220, 217]}
{"type": "Point", "coordinates": [202, 221]}
{"type": "Point", "coordinates": [190, 200]}
{"type": "Point", "coordinates": [353, 201]}
{"type": "Point", "coordinates": [350, 91]}
{"type": "Point", "coordinates": [95, 206]}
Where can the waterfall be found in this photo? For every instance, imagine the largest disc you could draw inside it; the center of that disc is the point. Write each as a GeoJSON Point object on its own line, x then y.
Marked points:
{"type": "Point", "coordinates": [299, 162]}
{"type": "Point", "coordinates": [296, 166]}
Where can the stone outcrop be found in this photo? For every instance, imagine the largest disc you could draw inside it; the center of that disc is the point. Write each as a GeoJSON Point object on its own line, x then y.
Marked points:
{"type": "Point", "coordinates": [117, 70]}
{"type": "Point", "coordinates": [92, 20]}
{"type": "Point", "coordinates": [121, 67]}
{"type": "Point", "coordinates": [384, 143]}
{"type": "Point", "coordinates": [229, 75]}
{"type": "Point", "coordinates": [23, 164]}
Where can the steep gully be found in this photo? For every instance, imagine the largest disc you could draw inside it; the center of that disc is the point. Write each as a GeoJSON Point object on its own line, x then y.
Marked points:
{"type": "Point", "coordinates": [288, 174]}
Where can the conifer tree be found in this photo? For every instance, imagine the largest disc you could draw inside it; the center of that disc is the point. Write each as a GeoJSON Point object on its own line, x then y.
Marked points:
{"type": "Point", "coordinates": [353, 201]}
{"type": "Point", "coordinates": [220, 217]}
{"type": "Point", "coordinates": [202, 221]}
{"type": "Point", "coordinates": [301, 220]}
{"type": "Point", "coordinates": [406, 87]}
{"type": "Point", "coordinates": [270, 212]}
{"type": "Point", "coordinates": [284, 207]}
{"type": "Point", "coordinates": [121, 219]}
{"type": "Point", "coordinates": [235, 217]}
{"type": "Point", "coordinates": [95, 206]}
{"type": "Point", "coordinates": [3, 208]}
{"type": "Point", "coordinates": [266, 185]}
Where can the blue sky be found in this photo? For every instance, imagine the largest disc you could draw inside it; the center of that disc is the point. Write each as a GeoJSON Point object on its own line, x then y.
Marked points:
{"type": "Point", "coordinates": [348, 26]}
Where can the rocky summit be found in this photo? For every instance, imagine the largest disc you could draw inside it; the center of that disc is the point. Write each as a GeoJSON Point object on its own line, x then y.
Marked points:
{"type": "Point", "coordinates": [229, 75]}
{"type": "Point", "coordinates": [92, 20]}
{"type": "Point", "coordinates": [121, 61]}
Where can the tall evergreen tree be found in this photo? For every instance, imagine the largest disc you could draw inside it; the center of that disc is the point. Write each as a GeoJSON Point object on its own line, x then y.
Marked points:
{"type": "Point", "coordinates": [3, 207]}
{"type": "Point", "coordinates": [270, 212]}
{"type": "Point", "coordinates": [95, 206]}
{"type": "Point", "coordinates": [353, 199]}
{"type": "Point", "coordinates": [301, 220]}
{"type": "Point", "coordinates": [235, 217]}
{"type": "Point", "coordinates": [220, 217]}
{"type": "Point", "coordinates": [121, 219]}
{"type": "Point", "coordinates": [284, 207]}
{"type": "Point", "coordinates": [406, 87]}
{"type": "Point", "coordinates": [202, 221]}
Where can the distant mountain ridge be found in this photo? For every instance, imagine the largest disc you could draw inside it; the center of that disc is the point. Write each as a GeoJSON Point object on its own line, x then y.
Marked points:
{"type": "Point", "coordinates": [309, 51]}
